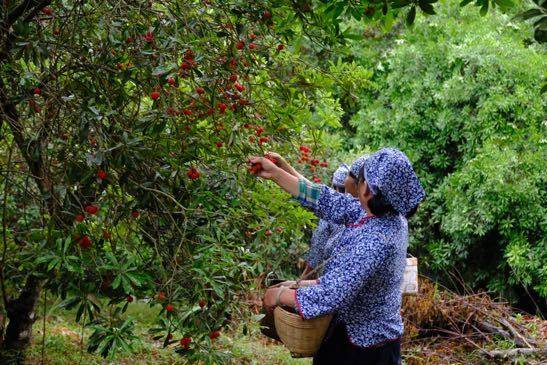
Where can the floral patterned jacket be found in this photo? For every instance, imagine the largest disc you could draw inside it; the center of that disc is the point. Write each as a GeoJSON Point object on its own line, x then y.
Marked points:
{"type": "Point", "coordinates": [361, 283]}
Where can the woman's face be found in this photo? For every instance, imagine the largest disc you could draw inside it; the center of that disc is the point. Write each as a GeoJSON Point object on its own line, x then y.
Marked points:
{"type": "Point", "coordinates": [364, 194]}
{"type": "Point", "coordinates": [351, 186]}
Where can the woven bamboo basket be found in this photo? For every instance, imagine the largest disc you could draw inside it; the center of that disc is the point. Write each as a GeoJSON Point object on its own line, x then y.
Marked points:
{"type": "Point", "coordinates": [302, 337]}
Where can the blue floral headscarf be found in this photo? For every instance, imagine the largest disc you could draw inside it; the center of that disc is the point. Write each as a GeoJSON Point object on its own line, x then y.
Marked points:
{"type": "Point", "coordinates": [390, 172]}
{"type": "Point", "coordinates": [357, 166]}
{"type": "Point", "coordinates": [340, 175]}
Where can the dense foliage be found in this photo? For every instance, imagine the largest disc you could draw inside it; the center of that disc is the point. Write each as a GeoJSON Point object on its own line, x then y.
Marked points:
{"type": "Point", "coordinates": [465, 104]}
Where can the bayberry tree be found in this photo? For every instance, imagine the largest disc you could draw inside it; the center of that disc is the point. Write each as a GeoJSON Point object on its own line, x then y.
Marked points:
{"type": "Point", "coordinates": [124, 131]}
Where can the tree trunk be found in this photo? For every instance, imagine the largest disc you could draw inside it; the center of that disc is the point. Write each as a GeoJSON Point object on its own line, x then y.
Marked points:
{"type": "Point", "coordinates": [21, 317]}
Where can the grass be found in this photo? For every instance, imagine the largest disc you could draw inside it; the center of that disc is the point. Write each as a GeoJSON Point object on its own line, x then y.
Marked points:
{"type": "Point", "coordinates": [63, 345]}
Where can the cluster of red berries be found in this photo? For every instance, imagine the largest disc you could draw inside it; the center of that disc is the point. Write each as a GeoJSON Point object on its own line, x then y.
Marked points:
{"type": "Point", "coordinates": [185, 342]}
{"type": "Point", "coordinates": [214, 335]}
{"type": "Point", "coordinates": [311, 162]}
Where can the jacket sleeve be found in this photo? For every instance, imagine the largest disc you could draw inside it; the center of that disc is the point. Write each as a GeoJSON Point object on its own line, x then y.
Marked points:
{"type": "Point", "coordinates": [329, 204]}
{"type": "Point", "coordinates": [348, 272]}
{"type": "Point", "coordinates": [317, 244]}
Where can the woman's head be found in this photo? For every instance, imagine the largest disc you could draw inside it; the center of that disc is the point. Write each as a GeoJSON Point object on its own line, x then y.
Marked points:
{"type": "Point", "coordinates": [339, 177]}
{"type": "Point", "coordinates": [387, 184]}
{"type": "Point", "coordinates": [350, 183]}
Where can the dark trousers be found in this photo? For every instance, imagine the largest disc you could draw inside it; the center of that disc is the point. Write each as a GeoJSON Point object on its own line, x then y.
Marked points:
{"type": "Point", "coordinates": [337, 349]}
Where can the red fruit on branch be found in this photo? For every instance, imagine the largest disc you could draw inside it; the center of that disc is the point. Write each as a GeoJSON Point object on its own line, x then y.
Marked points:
{"type": "Point", "coordinates": [79, 218]}
{"type": "Point", "coordinates": [193, 173]}
{"type": "Point", "coordinates": [187, 112]}
{"type": "Point", "coordinates": [316, 179]}
{"type": "Point", "coordinates": [200, 90]}
{"type": "Point", "coordinates": [154, 95]}
{"type": "Point", "coordinates": [186, 65]}
{"type": "Point", "coordinates": [251, 139]}
{"type": "Point", "coordinates": [252, 45]}
{"type": "Point", "coordinates": [214, 335]}
{"type": "Point", "coordinates": [169, 336]}
{"type": "Point", "coordinates": [107, 235]}
{"type": "Point", "coordinates": [171, 81]}
{"type": "Point", "coordinates": [280, 47]}
{"type": "Point", "coordinates": [129, 40]}
{"type": "Point", "coordinates": [324, 164]}
{"type": "Point", "coordinates": [259, 131]}
{"type": "Point", "coordinates": [222, 107]}
{"type": "Point", "coordinates": [240, 45]}
{"type": "Point", "coordinates": [101, 174]}
{"type": "Point", "coordinates": [189, 55]}
{"type": "Point", "coordinates": [255, 168]}
{"type": "Point", "coordinates": [129, 298]}
{"type": "Point", "coordinates": [92, 209]}
{"type": "Point", "coordinates": [135, 214]}
{"type": "Point", "coordinates": [149, 37]}
{"type": "Point", "coordinates": [185, 342]}
{"type": "Point", "coordinates": [169, 307]}
{"type": "Point", "coordinates": [272, 158]}
{"type": "Point", "coordinates": [161, 296]}
{"type": "Point", "coordinates": [314, 162]}
{"type": "Point", "coordinates": [263, 140]}
{"type": "Point", "coordinates": [37, 91]}
{"type": "Point", "coordinates": [85, 242]}
{"type": "Point", "coordinates": [202, 303]}
{"type": "Point", "coordinates": [57, 31]}
{"type": "Point", "coordinates": [304, 149]}
{"type": "Point", "coordinates": [268, 233]}
{"type": "Point", "coordinates": [252, 36]}
{"type": "Point", "coordinates": [279, 229]}
{"type": "Point", "coordinates": [266, 14]}
{"type": "Point", "coordinates": [233, 78]}
{"type": "Point", "coordinates": [218, 144]}
{"type": "Point", "coordinates": [239, 87]}
{"type": "Point", "coordinates": [248, 234]}
{"type": "Point", "coordinates": [47, 10]}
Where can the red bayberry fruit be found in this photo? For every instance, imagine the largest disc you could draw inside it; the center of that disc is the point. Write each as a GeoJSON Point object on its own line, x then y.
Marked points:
{"type": "Point", "coordinates": [80, 218]}
{"type": "Point", "coordinates": [259, 131]}
{"type": "Point", "coordinates": [169, 307]}
{"type": "Point", "coordinates": [213, 335]}
{"type": "Point", "coordinates": [171, 80]}
{"type": "Point", "coordinates": [248, 234]}
{"type": "Point", "coordinates": [106, 235]}
{"type": "Point", "coordinates": [56, 31]}
{"type": "Point", "coordinates": [218, 144]}
{"type": "Point", "coordinates": [200, 90]}
{"type": "Point", "coordinates": [251, 139]}
{"type": "Point", "coordinates": [202, 303]}
{"type": "Point", "coordinates": [280, 47]}
{"type": "Point", "coordinates": [316, 179]}
{"type": "Point", "coordinates": [272, 158]}
{"type": "Point", "coordinates": [304, 149]}
{"type": "Point", "coordinates": [154, 95]}
{"type": "Point", "coordinates": [135, 214]}
{"type": "Point", "coordinates": [129, 40]}
{"type": "Point", "coordinates": [47, 10]}
{"type": "Point", "coordinates": [324, 164]}
{"type": "Point", "coordinates": [252, 45]}
{"type": "Point", "coordinates": [185, 342]}
{"type": "Point", "coordinates": [193, 173]}
{"type": "Point", "coordinates": [233, 78]}
{"type": "Point", "coordinates": [149, 37]}
{"type": "Point", "coordinates": [92, 209]}
{"type": "Point", "coordinates": [101, 174]}
{"type": "Point", "coordinates": [266, 14]}
{"type": "Point", "coordinates": [186, 65]}
{"type": "Point", "coordinates": [129, 298]}
{"type": "Point", "coordinates": [263, 140]}
{"type": "Point", "coordinates": [314, 162]}
{"type": "Point", "coordinates": [85, 242]}
{"type": "Point", "coordinates": [268, 232]}
{"type": "Point", "coordinates": [252, 36]}
{"type": "Point", "coordinates": [240, 45]}
{"type": "Point", "coordinates": [279, 229]}
{"type": "Point", "coordinates": [239, 87]}
{"type": "Point", "coordinates": [189, 55]}
{"type": "Point", "coordinates": [246, 126]}
{"type": "Point", "coordinates": [187, 112]}
{"type": "Point", "coordinates": [222, 107]}
{"type": "Point", "coordinates": [37, 91]}
{"type": "Point", "coordinates": [255, 168]}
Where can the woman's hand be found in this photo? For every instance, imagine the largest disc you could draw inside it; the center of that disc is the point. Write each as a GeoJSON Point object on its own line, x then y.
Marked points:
{"type": "Point", "coordinates": [287, 283]}
{"type": "Point", "coordinates": [270, 298]}
{"type": "Point", "coordinates": [263, 167]}
{"type": "Point", "coordinates": [281, 163]}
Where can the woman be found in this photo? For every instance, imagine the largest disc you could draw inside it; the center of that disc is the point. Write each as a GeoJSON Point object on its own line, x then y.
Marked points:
{"type": "Point", "coordinates": [326, 234]}
{"type": "Point", "coordinates": [361, 282]}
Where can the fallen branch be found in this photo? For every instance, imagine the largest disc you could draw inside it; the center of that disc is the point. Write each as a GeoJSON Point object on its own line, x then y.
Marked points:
{"type": "Point", "coordinates": [503, 354]}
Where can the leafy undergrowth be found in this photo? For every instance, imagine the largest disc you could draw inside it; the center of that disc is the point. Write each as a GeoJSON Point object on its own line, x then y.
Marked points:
{"type": "Point", "coordinates": [247, 346]}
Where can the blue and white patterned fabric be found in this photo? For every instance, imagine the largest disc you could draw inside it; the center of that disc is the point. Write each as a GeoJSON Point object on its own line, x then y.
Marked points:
{"type": "Point", "coordinates": [390, 172]}
{"type": "Point", "coordinates": [340, 175]}
{"type": "Point", "coordinates": [357, 165]}
{"type": "Point", "coordinates": [320, 236]}
{"type": "Point", "coordinates": [361, 283]}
